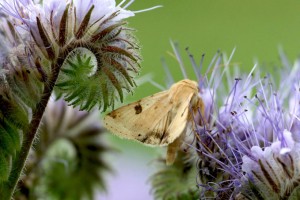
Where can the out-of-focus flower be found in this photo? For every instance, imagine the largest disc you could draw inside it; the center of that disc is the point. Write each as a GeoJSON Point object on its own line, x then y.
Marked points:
{"type": "Point", "coordinates": [68, 157]}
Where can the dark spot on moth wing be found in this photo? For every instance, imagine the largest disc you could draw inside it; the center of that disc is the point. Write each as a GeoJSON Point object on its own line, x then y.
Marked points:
{"type": "Point", "coordinates": [138, 109]}
{"type": "Point", "coordinates": [148, 139]}
{"type": "Point", "coordinates": [161, 136]}
{"type": "Point", "coordinates": [154, 138]}
{"type": "Point", "coordinates": [182, 114]}
{"type": "Point", "coordinates": [113, 115]}
{"type": "Point", "coordinates": [143, 140]}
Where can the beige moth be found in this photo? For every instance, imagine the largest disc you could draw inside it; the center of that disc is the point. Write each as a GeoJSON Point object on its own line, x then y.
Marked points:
{"type": "Point", "coordinates": [160, 119]}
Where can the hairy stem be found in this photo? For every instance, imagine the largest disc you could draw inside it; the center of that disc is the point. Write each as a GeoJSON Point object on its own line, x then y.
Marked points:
{"type": "Point", "coordinates": [29, 134]}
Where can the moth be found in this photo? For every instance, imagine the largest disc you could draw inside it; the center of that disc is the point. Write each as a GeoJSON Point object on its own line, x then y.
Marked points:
{"type": "Point", "coordinates": [160, 119]}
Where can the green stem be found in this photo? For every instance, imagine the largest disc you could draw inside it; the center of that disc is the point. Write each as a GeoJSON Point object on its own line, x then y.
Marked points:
{"type": "Point", "coordinates": [29, 134]}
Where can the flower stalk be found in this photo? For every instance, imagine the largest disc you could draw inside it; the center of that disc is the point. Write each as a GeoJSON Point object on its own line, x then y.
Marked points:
{"type": "Point", "coordinates": [30, 134]}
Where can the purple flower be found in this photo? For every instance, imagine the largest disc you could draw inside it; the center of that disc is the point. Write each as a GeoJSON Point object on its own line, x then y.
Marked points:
{"type": "Point", "coordinates": [249, 144]}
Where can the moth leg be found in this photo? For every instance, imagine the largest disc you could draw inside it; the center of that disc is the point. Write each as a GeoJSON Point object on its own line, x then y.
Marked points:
{"type": "Point", "coordinates": [199, 112]}
{"type": "Point", "coordinates": [173, 149]}
{"type": "Point", "coordinates": [198, 117]}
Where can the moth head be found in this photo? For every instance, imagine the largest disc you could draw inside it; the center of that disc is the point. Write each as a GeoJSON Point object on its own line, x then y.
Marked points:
{"type": "Point", "coordinates": [189, 83]}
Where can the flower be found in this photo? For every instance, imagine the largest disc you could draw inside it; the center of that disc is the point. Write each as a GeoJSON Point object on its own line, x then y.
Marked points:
{"type": "Point", "coordinates": [247, 141]}
{"type": "Point", "coordinates": [249, 147]}
{"type": "Point", "coordinates": [88, 40]}
{"type": "Point", "coordinates": [69, 150]}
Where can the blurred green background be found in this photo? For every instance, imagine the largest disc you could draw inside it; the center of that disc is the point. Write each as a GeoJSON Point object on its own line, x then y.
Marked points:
{"type": "Point", "coordinates": [256, 28]}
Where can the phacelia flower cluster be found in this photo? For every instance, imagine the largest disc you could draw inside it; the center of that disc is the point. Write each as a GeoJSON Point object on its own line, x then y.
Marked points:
{"type": "Point", "coordinates": [248, 147]}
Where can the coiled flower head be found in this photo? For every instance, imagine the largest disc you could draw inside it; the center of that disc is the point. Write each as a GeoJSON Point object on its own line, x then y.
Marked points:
{"type": "Point", "coordinates": [97, 54]}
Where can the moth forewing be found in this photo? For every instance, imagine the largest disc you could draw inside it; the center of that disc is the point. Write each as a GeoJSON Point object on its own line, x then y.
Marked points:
{"type": "Point", "coordinates": [136, 120]}
{"type": "Point", "coordinates": [159, 119]}
{"type": "Point", "coordinates": [179, 121]}
{"type": "Point", "coordinates": [187, 99]}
